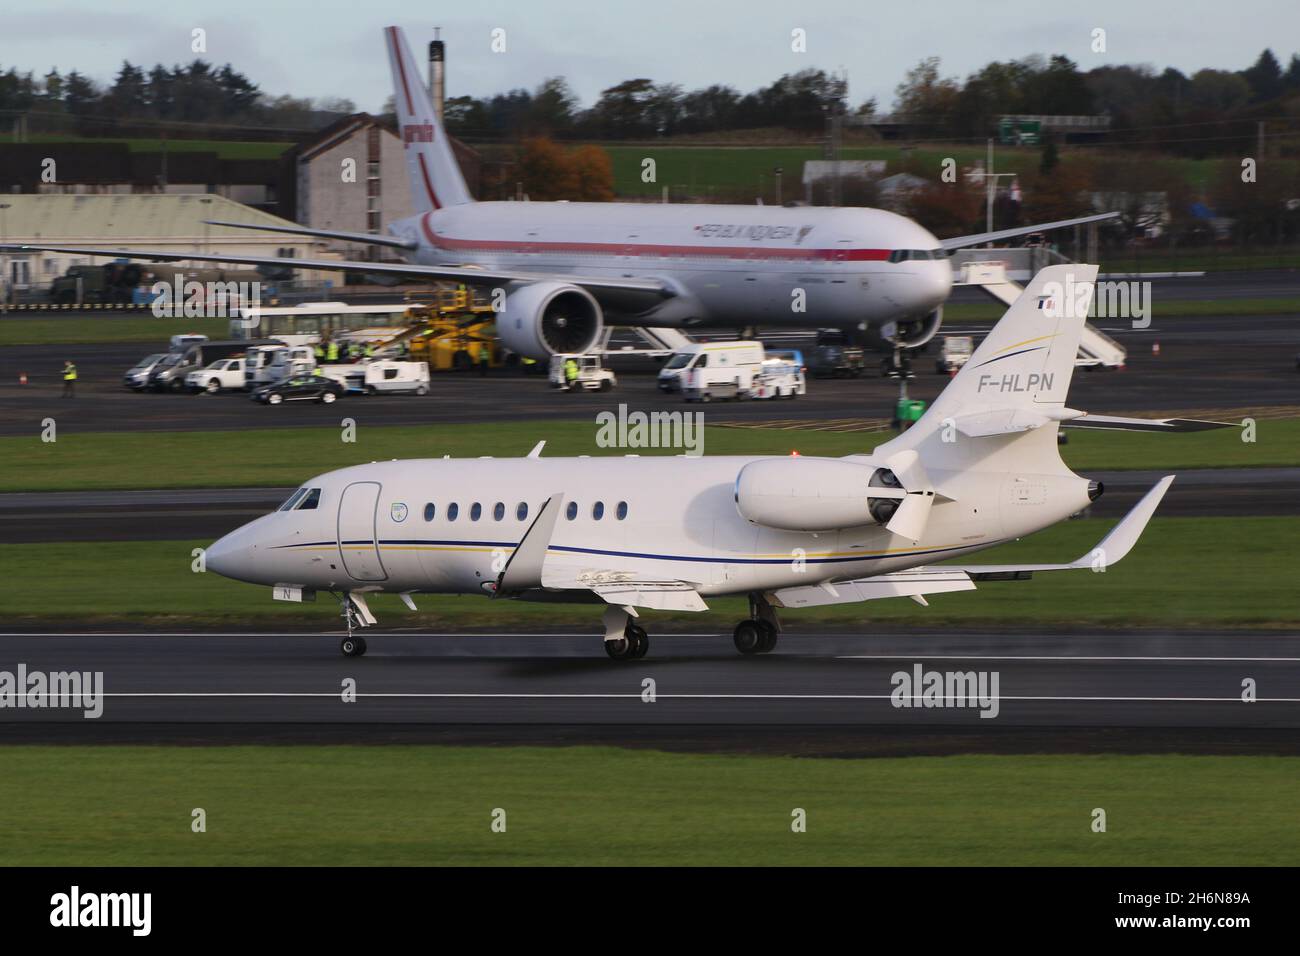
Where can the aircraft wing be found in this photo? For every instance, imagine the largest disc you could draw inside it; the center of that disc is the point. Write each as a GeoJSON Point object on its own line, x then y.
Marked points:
{"type": "Point", "coordinates": [365, 237]}
{"type": "Point", "coordinates": [473, 276]}
{"type": "Point", "coordinates": [961, 242]}
{"type": "Point", "coordinates": [914, 583]}
{"type": "Point", "coordinates": [657, 595]}
{"type": "Point", "coordinates": [1112, 549]}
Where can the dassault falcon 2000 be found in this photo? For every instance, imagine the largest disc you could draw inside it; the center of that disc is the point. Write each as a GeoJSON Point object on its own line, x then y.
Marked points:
{"type": "Point", "coordinates": [565, 269]}
{"type": "Point", "coordinates": [980, 468]}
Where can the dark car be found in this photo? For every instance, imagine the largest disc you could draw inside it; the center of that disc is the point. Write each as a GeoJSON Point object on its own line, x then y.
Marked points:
{"type": "Point", "coordinates": [300, 388]}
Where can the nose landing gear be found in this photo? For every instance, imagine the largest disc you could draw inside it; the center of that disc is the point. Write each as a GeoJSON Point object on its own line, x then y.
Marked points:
{"type": "Point", "coordinates": [355, 613]}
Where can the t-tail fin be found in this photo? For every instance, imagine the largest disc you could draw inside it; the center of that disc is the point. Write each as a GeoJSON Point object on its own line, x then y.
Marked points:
{"type": "Point", "coordinates": [1016, 381]}
{"type": "Point", "coordinates": [430, 162]}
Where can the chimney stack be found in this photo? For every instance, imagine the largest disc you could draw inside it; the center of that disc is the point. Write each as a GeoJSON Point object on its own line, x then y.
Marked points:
{"type": "Point", "coordinates": [437, 74]}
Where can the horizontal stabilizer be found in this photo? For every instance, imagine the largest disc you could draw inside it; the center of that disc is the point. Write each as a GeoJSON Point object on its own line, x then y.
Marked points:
{"type": "Point", "coordinates": [912, 583]}
{"type": "Point", "coordinates": [1147, 424]}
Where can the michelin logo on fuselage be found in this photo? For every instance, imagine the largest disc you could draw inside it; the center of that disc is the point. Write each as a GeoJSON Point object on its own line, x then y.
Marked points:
{"type": "Point", "coordinates": [1015, 382]}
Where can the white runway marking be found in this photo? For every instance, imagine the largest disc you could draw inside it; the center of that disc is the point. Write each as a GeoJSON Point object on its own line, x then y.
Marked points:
{"type": "Point", "coordinates": [1054, 657]}
{"type": "Point", "coordinates": [637, 696]}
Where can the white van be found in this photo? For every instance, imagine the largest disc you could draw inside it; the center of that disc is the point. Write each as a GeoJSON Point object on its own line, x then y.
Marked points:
{"type": "Point", "coordinates": [381, 377]}
{"type": "Point", "coordinates": [281, 362]}
{"type": "Point", "coordinates": [717, 362]}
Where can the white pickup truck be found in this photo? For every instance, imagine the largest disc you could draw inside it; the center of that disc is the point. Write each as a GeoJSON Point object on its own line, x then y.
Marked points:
{"type": "Point", "coordinates": [227, 373]}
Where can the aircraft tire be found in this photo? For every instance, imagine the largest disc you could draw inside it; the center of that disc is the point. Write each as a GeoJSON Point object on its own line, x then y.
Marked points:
{"type": "Point", "coordinates": [748, 637]}
{"type": "Point", "coordinates": [353, 646]}
{"type": "Point", "coordinates": [769, 637]}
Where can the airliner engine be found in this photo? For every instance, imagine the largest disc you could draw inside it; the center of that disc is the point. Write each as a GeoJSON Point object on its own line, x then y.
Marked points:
{"type": "Point", "coordinates": [541, 319]}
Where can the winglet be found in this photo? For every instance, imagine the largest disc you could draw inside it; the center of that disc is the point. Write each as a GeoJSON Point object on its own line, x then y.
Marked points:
{"type": "Point", "coordinates": [537, 449]}
{"type": "Point", "coordinates": [1112, 549]}
{"type": "Point", "coordinates": [1119, 542]}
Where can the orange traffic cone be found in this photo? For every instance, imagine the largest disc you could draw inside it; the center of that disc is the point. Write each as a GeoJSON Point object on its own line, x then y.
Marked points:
{"type": "Point", "coordinates": [22, 378]}
{"type": "Point", "coordinates": [1155, 348]}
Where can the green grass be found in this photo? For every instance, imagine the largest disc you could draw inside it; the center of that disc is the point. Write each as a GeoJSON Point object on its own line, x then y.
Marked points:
{"type": "Point", "coordinates": [423, 805]}
{"type": "Point", "coordinates": [1174, 577]}
{"type": "Point", "coordinates": [286, 456]}
{"type": "Point", "coordinates": [20, 328]}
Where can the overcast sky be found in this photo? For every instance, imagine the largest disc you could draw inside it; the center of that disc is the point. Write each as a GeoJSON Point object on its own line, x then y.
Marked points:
{"type": "Point", "coordinates": [333, 48]}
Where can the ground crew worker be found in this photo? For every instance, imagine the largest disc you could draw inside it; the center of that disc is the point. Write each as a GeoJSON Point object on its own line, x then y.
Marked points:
{"type": "Point", "coordinates": [484, 360]}
{"type": "Point", "coordinates": [332, 351]}
{"type": "Point", "coordinates": [69, 380]}
{"type": "Point", "coordinates": [571, 373]}
{"type": "Point", "coordinates": [369, 350]}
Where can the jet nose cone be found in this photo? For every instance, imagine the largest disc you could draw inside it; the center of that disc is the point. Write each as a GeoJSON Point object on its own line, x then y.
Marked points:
{"type": "Point", "coordinates": [222, 556]}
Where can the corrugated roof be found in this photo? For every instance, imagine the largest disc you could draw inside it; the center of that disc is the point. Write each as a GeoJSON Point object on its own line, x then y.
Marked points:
{"type": "Point", "coordinates": [135, 216]}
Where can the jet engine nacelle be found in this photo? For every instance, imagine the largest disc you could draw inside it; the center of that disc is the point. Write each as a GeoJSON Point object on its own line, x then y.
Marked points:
{"type": "Point", "coordinates": [816, 494]}
{"type": "Point", "coordinates": [906, 333]}
{"type": "Point", "coordinates": [541, 319]}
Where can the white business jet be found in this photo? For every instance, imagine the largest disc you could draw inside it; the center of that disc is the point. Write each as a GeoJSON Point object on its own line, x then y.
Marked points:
{"type": "Point", "coordinates": [630, 534]}
{"type": "Point", "coordinates": [566, 269]}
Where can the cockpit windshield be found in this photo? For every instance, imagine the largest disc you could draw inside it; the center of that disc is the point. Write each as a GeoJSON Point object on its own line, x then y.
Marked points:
{"type": "Point", "coordinates": [293, 500]}
{"type": "Point", "coordinates": [304, 499]}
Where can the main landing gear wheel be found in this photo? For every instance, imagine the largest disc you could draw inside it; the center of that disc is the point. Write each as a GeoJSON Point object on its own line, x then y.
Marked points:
{"type": "Point", "coordinates": [353, 646]}
{"type": "Point", "coordinates": [631, 646]}
{"type": "Point", "coordinates": [754, 637]}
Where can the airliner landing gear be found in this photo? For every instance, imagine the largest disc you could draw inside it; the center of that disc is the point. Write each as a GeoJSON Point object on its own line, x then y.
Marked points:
{"type": "Point", "coordinates": [631, 646]}
{"type": "Point", "coordinates": [758, 634]}
{"type": "Point", "coordinates": [353, 646]}
{"type": "Point", "coordinates": [624, 639]}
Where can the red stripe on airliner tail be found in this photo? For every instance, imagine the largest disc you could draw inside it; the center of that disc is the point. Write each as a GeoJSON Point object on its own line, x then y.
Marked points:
{"type": "Point", "coordinates": [401, 68]}
{"type": "Point", "coordinates": [428, 184]}
{"type": "Point", "coordinates": [651, 249]}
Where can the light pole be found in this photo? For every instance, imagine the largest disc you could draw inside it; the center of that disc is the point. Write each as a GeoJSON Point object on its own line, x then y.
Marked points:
{"type": "Point", "coordinates": [4, 256]}
{"type": "Point", "coordinates": [206, 202]}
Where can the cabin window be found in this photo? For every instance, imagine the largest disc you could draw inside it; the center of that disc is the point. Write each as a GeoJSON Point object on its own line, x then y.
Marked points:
{"type": "Point", "coordinates": [453, 510]}
{"type": "Point", "coordinates": [310, 501]}
{"type": "Point", "coordinates": [598, 510]}
{"type": "Point", "coordinates": [521, 510]}
{"type": "Point", "coordinates": [430, 510]}
{"type": "Point", "coordinates": [499, 511]}
{"type": "Point", "coordinates": [622, 510]}
{"type": "Point", "coordinates": [475, 511]}
{"type": "Point", "coordinates": [571, 510]}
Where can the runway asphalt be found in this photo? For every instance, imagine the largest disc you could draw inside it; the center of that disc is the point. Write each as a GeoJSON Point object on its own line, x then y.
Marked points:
{"type": "Point", "coordinates": [209, 513]}
{"type": "Point", "coordinates": [1218, 362]}
{"type": "Point", "coordinates": [1053, 692]}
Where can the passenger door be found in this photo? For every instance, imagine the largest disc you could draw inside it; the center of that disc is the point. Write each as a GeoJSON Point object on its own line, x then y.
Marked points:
{"type": "Point", "coordinates": [358, 545]}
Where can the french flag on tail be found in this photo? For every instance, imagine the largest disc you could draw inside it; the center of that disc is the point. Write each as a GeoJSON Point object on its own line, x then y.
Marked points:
{"type": "Point", "coordinates": [430, 163]}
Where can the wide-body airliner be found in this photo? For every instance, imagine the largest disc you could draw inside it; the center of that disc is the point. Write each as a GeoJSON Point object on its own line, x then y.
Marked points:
{"type": "Point", "coordinates": [566, 269]}
{"type": "Point", "coordinates": [629, 534]}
